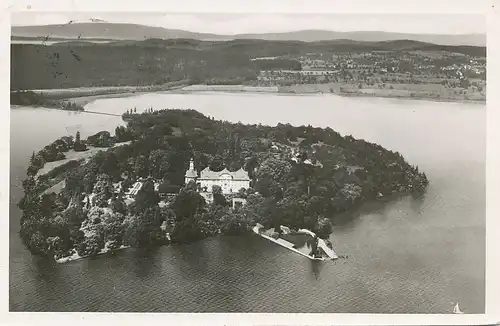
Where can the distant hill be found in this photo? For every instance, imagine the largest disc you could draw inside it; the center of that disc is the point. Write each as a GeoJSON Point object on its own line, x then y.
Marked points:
{"type": "Point", "coordinates": [120, 31]}
{"type": "Point", "coordinates": [371, 36]}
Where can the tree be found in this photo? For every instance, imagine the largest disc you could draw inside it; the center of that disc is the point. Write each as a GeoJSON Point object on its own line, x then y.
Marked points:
{"type": "Point", "coordinates": [103, 190]}
{"type": "Point", "coordinates": [29, 184]}
{"type": "Point", "coordinates": [217, 163]}
{"type": "Point", "coordinates": [235, 223]}
{"type": "Point", "coordinates": [110, 165]}
{"type": "Point", "coordinates": [118, 205]}
{"type": "Point", "coordinates": [292, 210]}
{"type": "Point", "coordinates": [219, 198]}
{"type": "Point", "coordinates": [36, 163]}
{"type": "Point", "coordinates": [114, 230]}
{"type": "Point", "coordinates": [37, 244]}
{"type": "Point", "coordinates": [74, 184]}
{"type": "Point", "coordinates": [91, 246]}
{"type": "Point", "coordinates": [89, 181]}
{"type": "Point", "coordinates": [187, 203]}
{"type": "Point", "coordinates": [78, 146]}
{"type": "Point", "coordinates": [158, 163]}
{"type": "Point", "coordinates": [141, 166]}
{"type": "Point", "coordinates": [258, 209]}
{"type": "Point", "coordinates": [274, 169]}
{"type": "Point", "coordinates": [101, 139]}
{"type": "Point", "coordinates": [144, 230]}
{"type": "Point", "coordinates": [73, 217]}
{"type": "Point", "coordinates": [242, 193]}
{"type": "Point", "coordinates": [324, 228]}
{"type": "Point", "coordinates": [187, 230]}
{"type": "Point", "coordinates": [250, 164]}
{"type": "Point", "coordinates": [122, 134]}
{"type": "Point", "coordinates": [146, 197]}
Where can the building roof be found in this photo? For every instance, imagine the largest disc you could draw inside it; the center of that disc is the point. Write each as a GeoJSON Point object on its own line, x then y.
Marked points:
{"type": "Point", "coordinates": [214, 175]}
{"type": "Point", "coordinates": [241, 175]}
{"type": "Point", "coordinates": [134, 189]}
{"type": "Point", "coordinates": [191, 174]}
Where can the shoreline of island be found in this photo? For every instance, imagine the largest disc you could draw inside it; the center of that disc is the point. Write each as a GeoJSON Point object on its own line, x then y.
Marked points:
{"type": "Point", "coordinates": [84, 156]}
{"type": "Point", "coordinates": [354, 210]}
{"type": "Point", "coordinates": [117, 203]}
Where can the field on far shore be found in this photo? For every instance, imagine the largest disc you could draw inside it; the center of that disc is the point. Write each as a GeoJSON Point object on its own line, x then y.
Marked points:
{"type": "Point", "coordinates": [434, 92]}
{"type": "Point", "coordinates": [231, 88]}
{"type": "Point", "coordinates": [416, 91]}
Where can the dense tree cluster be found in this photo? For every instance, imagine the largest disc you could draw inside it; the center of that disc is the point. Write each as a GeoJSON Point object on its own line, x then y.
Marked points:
{"type": "Point", "coordinates": [300, 176]}
{"type": "Point", "coordinates": [30, 98]}
{"type": "Point", "coordinates": [50, 153]}
{"type": "Point", "coordinates": [101, 139]}
{"type": "Point", "coordinates": [79, 145]}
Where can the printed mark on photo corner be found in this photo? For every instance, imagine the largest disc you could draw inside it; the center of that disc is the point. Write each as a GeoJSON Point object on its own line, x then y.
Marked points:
{"type": "Point", "coordinates": [55, 58]}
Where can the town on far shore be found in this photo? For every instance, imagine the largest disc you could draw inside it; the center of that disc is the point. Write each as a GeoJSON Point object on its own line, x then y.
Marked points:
{"type": "Point", "coordinates": [415, 74]}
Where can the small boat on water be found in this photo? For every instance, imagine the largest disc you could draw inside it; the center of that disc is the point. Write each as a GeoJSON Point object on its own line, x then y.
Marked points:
{"type": "Point", "coordinates": [456, 310]}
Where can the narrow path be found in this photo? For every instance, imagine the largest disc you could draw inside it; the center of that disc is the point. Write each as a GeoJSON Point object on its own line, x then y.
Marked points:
{"type": "Point", "coordinates": [92, 112]}
{"type": "Point", "coordinates": [103, 113]}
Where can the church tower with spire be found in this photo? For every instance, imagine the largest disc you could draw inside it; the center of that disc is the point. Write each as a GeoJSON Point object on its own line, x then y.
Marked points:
{"type": "Point", "coordinates": [191, 173]}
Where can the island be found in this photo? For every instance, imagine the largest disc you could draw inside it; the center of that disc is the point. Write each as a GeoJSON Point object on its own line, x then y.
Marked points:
{"type": "Point", "coordinates": [178, 176]}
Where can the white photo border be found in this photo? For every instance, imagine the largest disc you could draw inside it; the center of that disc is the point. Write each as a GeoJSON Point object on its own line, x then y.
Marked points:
{"type": "Point", "coordinates": [487, 8]}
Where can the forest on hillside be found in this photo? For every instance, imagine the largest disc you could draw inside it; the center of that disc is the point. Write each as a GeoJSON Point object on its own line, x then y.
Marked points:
{"type": "Point", "coordinates": [156, 62]}
{"type": "Point", "coordinates": [330, 174]}
{"type": "Point", "coordinates": [141, 64]}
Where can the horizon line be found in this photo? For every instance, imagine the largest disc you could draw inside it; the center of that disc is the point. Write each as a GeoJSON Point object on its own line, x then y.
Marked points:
{"type": "Point", "coordinates": [247, 33]}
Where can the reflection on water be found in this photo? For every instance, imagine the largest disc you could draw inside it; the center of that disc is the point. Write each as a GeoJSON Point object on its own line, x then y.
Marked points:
{"type": "Point", "coordinates": [407, 255]}
{"type": "Point", "coordinates": [417, 202]}
{"type": "Point", "coordinates": [145, 264]}
{"type": "Point", "coordinates": [317, 267]}
{"type": "Point", "coordinates": [46, 271]}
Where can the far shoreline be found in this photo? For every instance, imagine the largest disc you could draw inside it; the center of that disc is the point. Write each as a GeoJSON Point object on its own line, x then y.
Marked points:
{"type": "Point", "coordinates": [85, 95]}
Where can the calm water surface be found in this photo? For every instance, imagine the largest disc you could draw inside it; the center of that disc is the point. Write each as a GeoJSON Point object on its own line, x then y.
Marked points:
{"type": "Point", "coordinates": [407, 256]}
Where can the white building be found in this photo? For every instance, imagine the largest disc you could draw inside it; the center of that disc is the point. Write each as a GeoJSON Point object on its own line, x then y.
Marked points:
{"type": "Point", "coordinates": [132, 191]}
{"type": "Point", "coordinates": [230, 182]}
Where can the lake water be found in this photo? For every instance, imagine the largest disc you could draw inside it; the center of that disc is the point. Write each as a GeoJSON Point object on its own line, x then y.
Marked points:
{"type": "Point", "coordinates": [407, 256]}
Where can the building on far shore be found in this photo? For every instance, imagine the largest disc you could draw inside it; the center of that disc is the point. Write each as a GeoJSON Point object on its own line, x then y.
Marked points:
{"type": "Point", "coordinates": [230, 182]}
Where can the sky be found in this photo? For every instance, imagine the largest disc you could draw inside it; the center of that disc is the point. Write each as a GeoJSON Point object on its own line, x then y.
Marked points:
{"type": "Point", "coordinates": [268, 23]}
